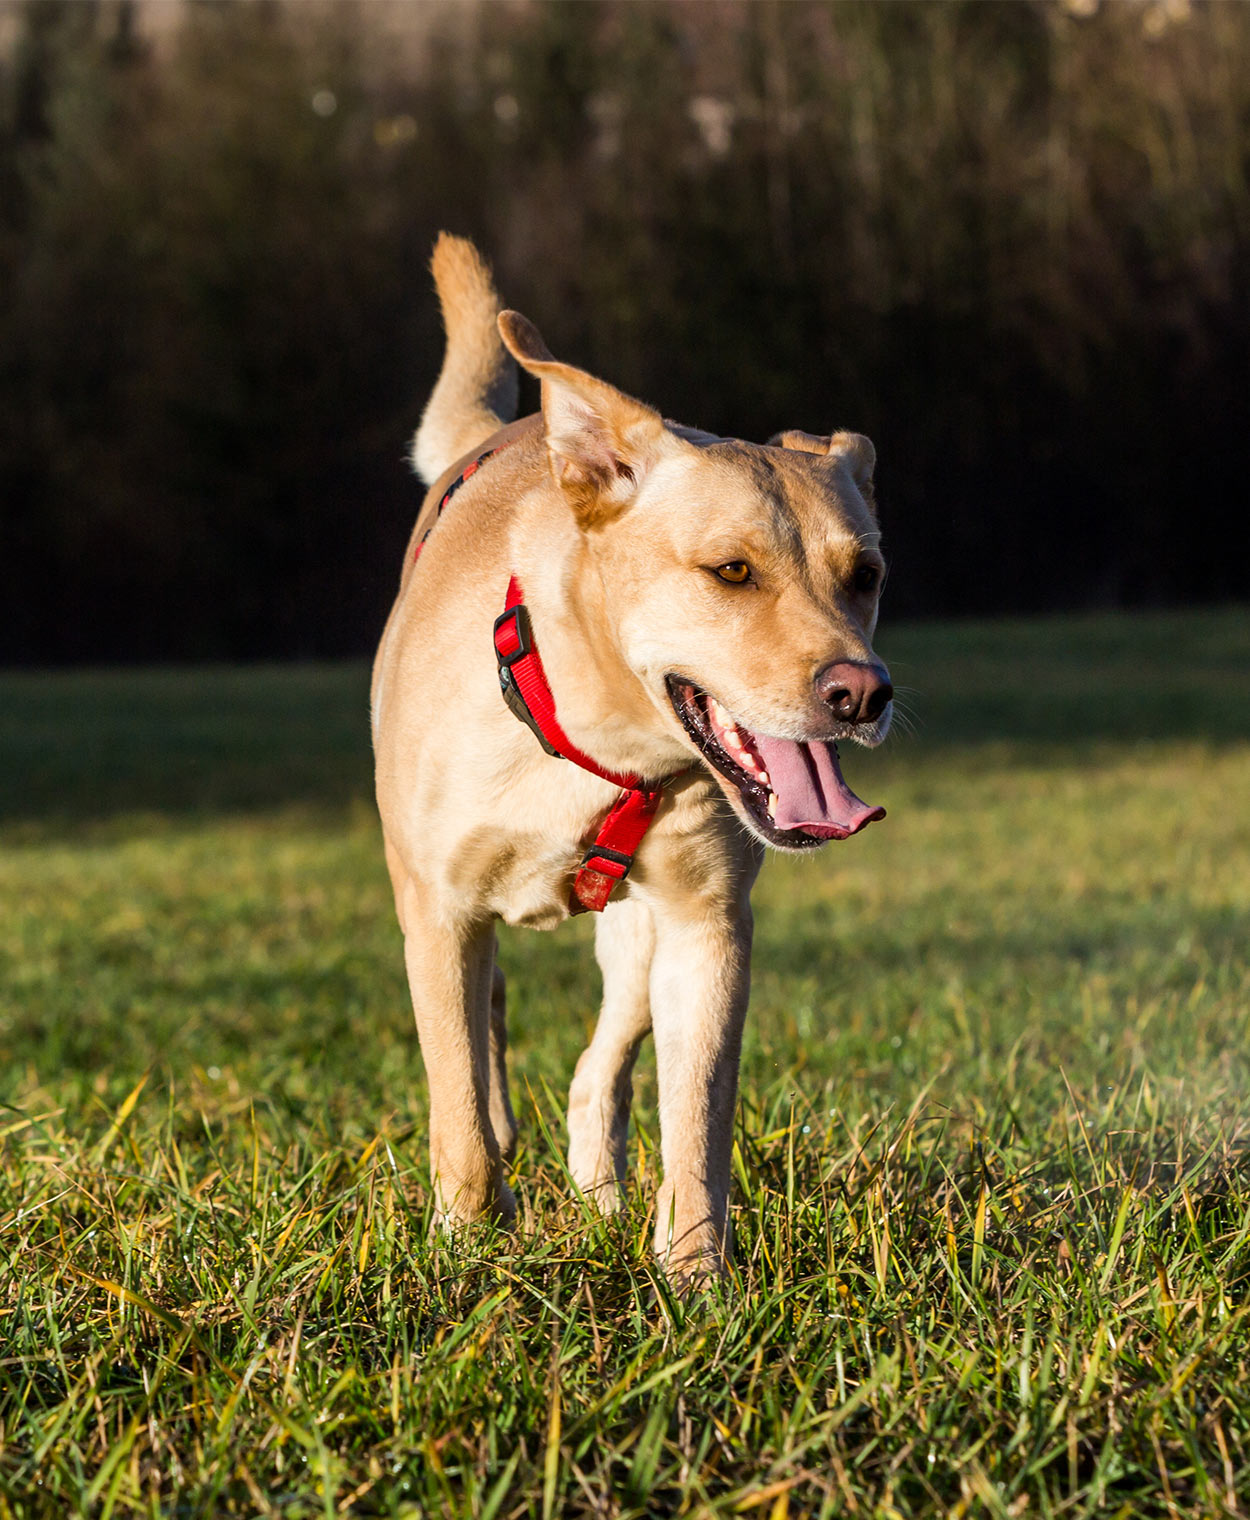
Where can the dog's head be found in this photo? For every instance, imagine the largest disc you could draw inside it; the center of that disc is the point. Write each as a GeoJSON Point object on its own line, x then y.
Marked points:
{"type": "Point", "coordinates": [741, 582]}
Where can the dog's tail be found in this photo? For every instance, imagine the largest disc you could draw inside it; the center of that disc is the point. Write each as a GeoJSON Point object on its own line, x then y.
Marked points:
{"type": "Point", "coordinates": [476, 391]}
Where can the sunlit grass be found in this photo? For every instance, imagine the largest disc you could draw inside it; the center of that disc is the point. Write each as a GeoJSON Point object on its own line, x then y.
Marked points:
{"type": "Point", "coordinates": [992, 1204]}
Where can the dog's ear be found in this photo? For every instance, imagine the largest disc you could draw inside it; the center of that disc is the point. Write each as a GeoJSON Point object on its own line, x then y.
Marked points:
{"type": "Point", "coordinates": [852, 450]}
{"type": "Point", "coordinates": [799, 442]}
{"type": "Point", "coordinates": [858, 455]}
{"type": "Point", "coordinates": [600, 441]}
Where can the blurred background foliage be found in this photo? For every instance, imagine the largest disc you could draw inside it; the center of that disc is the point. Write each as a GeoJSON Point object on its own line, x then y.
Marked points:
{"type": "Point", "coordinates": [1011, 242]}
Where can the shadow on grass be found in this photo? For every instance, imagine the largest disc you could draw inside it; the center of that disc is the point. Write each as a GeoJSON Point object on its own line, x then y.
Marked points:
{"type": "Point", "coordinates": [81, 746]}
{"type": "Point", "coordinates": [88, 745]}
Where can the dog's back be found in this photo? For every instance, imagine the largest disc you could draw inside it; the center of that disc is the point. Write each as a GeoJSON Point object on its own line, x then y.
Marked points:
{"type": "Point", "coordinates": [477, 386]}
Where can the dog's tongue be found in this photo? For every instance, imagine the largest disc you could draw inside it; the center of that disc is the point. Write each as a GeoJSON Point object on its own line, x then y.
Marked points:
{"type": "Point", "coordinates": [811, 794]}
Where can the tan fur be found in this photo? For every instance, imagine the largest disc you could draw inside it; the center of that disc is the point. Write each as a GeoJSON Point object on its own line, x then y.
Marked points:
{"type": "Point", "coordinates": [477, 389]}
{"type": "Point", "coordinates": [611, 519]}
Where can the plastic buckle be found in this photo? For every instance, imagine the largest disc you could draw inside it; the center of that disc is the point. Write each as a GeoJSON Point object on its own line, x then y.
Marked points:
{"type": "Point", "coordinates": [518, 615]}
{"type": "Point", "coordinates": [517, 704]}
{"type": "Point", "coordinates": [599, 852]}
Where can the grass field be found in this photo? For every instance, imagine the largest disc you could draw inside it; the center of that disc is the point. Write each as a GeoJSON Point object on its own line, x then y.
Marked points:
{"type": "Point", "coordinates": [992, 1197]}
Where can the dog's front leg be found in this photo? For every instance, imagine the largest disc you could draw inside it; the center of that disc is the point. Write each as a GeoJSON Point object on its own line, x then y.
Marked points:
{"type": "Point", "coordinates": [450, 973]}
{"type": "Point", "coordinates": [699, 985]}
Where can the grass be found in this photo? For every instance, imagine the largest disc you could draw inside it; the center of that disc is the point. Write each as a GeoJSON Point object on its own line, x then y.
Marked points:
{"type": "Point", "coordinates": [992, 1199]}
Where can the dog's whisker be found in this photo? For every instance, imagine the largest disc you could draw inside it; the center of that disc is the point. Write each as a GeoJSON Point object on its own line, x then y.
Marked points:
{"type": "Point", "coordinates": [906, 719]}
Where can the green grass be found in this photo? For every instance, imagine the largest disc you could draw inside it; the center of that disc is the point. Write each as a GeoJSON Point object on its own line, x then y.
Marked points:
{"type": "Point", "coordinates": [992, 1196]}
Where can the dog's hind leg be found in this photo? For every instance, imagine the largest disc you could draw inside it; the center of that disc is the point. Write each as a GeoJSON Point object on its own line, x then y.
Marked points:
{"type": "Point", "coordinates": [502, 1119]}
{"type": "Point", "coordinates": [602, 1087]}
{"type": "Point", "coordinates": [450, 973]}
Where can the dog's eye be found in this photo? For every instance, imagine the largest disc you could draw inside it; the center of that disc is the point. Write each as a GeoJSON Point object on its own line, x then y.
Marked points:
{"type": "Point", "coordinates": [866, 578]}
{"type": "Point", "coordinates": [737, 572]}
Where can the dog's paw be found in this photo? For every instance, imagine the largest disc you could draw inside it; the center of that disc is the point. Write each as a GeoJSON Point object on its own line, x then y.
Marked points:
{"type": "Point", "coordinates": [602, 1193]}
{"type": "Point", "coordinates": [461, 1213]}
{"type": "Point", "coordinates": [693, 1247]}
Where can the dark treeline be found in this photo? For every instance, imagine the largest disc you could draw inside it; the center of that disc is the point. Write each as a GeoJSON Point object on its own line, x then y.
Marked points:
{"type": "Point", "coordinates": [1010, 241]}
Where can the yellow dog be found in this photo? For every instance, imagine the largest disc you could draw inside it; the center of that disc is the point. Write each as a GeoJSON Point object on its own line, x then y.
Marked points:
{"type": "Point", "coordinates": [694, 637]}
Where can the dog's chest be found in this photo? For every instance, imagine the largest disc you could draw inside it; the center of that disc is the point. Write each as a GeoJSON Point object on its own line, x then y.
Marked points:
{"type": "Point", "coordinates": [517, 870]}
{"type": "Point", "coordinates": [523, 878]}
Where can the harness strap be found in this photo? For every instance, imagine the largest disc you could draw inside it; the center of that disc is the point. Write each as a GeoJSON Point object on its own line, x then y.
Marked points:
{"type": "Point", "coordinates": [517, 654]}
{"type": "Point", "coordinates": [608, 860]}
{"type": "Point", "coordinates": [466, 474]}
{"type": "Point", "coordinates": [528, 694]}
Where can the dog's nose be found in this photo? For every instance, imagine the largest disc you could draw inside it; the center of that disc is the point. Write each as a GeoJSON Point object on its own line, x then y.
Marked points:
{"type": "Point", "coordinates": [855, 690]}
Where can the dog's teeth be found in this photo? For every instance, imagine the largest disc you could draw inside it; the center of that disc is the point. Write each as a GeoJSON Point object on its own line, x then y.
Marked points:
{"type": "Point", "coordinates": [772, 806]}
{"type": "Point", "coordinates": [726, 728]}
{"type": "Point", "coordinates": [730, 736]}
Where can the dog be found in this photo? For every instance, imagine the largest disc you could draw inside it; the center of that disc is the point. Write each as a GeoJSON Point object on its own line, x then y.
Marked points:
{"type": "Point", "coordinates": [693, 639]}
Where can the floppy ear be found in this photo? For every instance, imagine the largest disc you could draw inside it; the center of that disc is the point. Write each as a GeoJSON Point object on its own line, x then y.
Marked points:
{"type": "Point", "coordinates": [601, 443]}
{"type": "Point", "coordinates": [852, 450]}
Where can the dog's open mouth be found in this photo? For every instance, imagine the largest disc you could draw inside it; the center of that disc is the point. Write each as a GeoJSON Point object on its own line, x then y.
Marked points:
{"type": "Point", "coordinates": [793, 793]}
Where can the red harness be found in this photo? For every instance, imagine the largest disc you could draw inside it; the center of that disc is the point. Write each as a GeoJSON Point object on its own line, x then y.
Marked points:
{"type": "Point", "coordinates": [529, 697]}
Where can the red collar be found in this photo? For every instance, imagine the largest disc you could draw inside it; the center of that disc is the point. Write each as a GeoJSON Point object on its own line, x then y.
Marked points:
{"type": "Point", "coordinates": [529, 697]}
